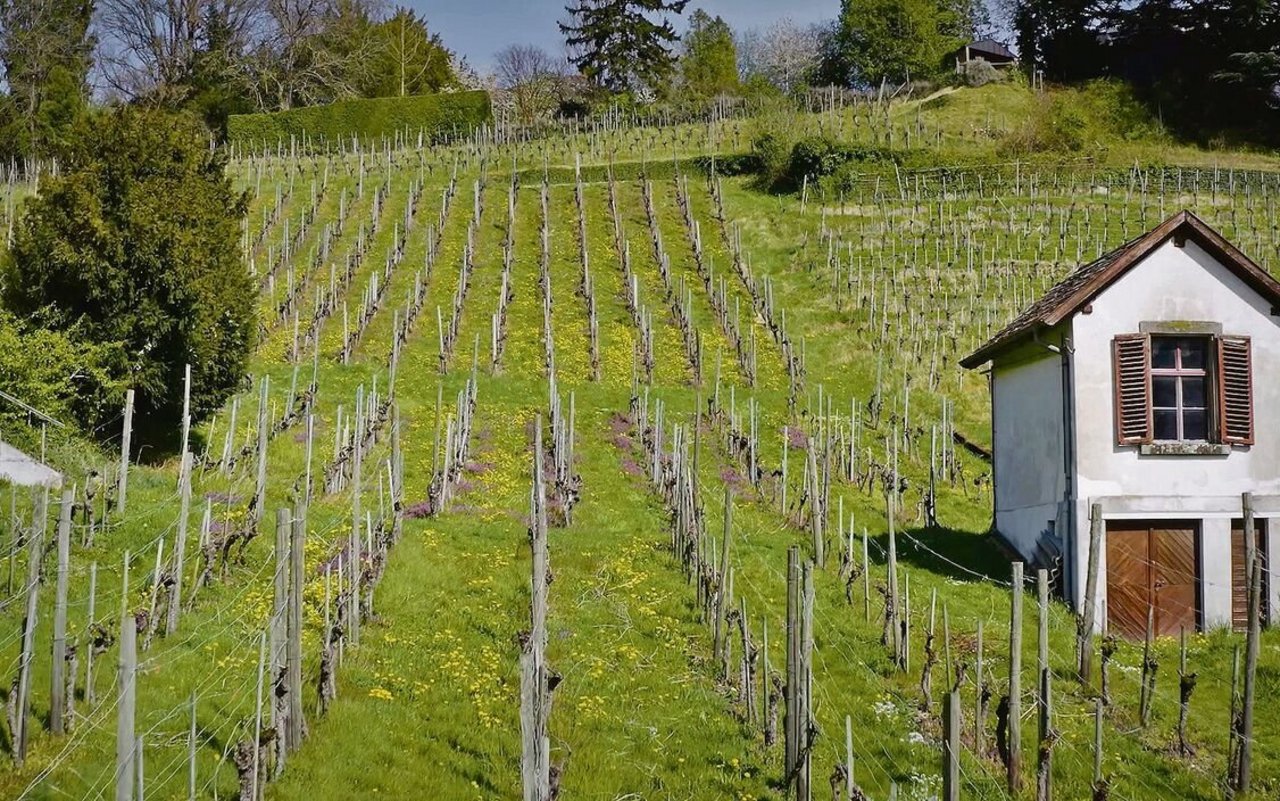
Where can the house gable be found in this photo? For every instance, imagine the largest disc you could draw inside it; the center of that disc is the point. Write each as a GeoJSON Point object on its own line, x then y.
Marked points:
{"type": "Point", "coordinates": [1084, 284]}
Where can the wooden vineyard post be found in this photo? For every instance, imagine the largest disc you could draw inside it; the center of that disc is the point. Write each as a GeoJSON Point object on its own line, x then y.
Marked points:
{"type": "Point", "coordinates": [1013, 765]}
{"type": "Point", "coordinates": [791, 730]}
{"type": "Point", "coordinates": [255, 744]}
{"type": "Point", "coordinates": [1146, 689]}
{"type": "Point", "coordinates": [277, 664]}
{"type": "Point", "coordinates": [1088, 618]}
{"type": "Point", "coordinates": [260, 481]}
{"type": "Point", "coordinates": [357, 522]}
{"type": "Point", "coordinates": [122, 492]}
{"type": "Point", "coordinates": [1099, 784]}
{"type": "Point", "coordinates": [57, 703]}
{"type": "Point", "coordinates": [1047, 737]}
{"type": "Point", "coordinates": [805, 721]}
{"type": "Point", "coordinates": [180, 547]}
{"type": "Point", "coordinates": [90, 694]}
{"type": "Point", "coordinates": [1186, 685]}
{"type": "Point", "coordinates": [981, 696]}
{"type": "Point", "coordinates": [848, 758]}
{"type": "Point", "coordinates": [951, 747]}
{"type": "Point", "coordinates": [297, 726]}
{"type": "Point", "coordinates": [126, 741]}
{"type": "Point", "coordinates": [535, 689]}
{"type": "Point", "coordinates": [720, 633]}
{"type": "Point", "coordinates": [35, 550]}
{"type": "Point", "coordinates": [1253, 576]}
{"type": "Point", "coordinates": [191, 752]}
{"type": "Point", "coordinates": [186, 410]}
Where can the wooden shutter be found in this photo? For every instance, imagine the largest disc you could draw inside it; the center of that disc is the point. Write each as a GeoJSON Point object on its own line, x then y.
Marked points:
{"type": "Point", "coordinates": [1132, 357]}
{"type": "Point", "coordinates": [1235, 390]}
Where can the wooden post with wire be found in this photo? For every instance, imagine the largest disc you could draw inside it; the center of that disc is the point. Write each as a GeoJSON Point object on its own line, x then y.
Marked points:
{"type": "Point", "coordinates": [122, 491]}
{"type": "Point", "coordinates": [1088, 618]}
{"type": "Point", "coordinates": [57, 696]}
{"type": "Point", "coordinates": [35, 551]}
{"type": "Point", "coordinates": [1013, 760]}
{"type": "Point", "coordinates": [1253, 576]}
{"type": "Point", "coordinates": [951, 746]}
{"type": "Point", "coordinates": [126, 707]}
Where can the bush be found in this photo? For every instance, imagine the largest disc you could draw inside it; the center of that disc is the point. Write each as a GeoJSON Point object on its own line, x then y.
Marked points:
{"type": "Point", "coordinates": [137, 242]}
{"type": "Point", "coordinates": [818, 157]}
{"type": "Point", "coordinates": [772, 153]}
{"type": "Point", "coordinates": [979, 72]}
{"type": "Point", "coordinates": [1055, 126]}
{"type": "Point", "coordinates": [432, 115]}
{"type": "Point", "coordinates": [62, 375]}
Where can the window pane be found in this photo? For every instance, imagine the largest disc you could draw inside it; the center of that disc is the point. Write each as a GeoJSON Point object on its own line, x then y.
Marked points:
{"type": "Point", "coordinates": [1193, 392]}
{"type": "Point", "coordinates": [1164, 391]}
{"type": "Point", "coordinates": [1194, 424]}
{"type": "Point", "coordinates": [1163, 353]}
{"type": "Point", "coordinates": [1166, 423]}
{"type": "Point", "coordinates": [1192, 353]}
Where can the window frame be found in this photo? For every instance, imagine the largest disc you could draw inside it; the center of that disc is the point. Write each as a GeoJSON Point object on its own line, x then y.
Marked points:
{"type": "Point", "coordinates": [1229, 389]}
{"type": "Point", "coordinates": [1178, 373]}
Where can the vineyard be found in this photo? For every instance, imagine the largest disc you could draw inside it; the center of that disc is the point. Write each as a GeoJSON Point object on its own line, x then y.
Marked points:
{"type": "Point", "coordinates": [580, 436]}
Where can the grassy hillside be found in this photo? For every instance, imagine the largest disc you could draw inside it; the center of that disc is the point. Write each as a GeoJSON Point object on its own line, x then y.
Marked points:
{"type": "Point", "coordinates": [876, 289]}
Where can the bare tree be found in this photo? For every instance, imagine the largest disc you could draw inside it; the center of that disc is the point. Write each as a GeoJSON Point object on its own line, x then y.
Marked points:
{"type": "Point", "coordinates": [314, 51]}
{"type": "Point", "coordinates": [529, 73]}
{"type": "Point", "coordinates": [147, 46]}
{"type": "Point", "coordinates": [785, 54]}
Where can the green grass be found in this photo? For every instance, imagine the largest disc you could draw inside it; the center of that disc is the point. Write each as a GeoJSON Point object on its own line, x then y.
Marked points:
{"type": "Point", "coordinates": [427, 704]}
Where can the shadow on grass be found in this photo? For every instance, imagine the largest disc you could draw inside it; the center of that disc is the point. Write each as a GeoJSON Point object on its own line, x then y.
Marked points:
{"type": "Point", "coordinates": [954, 553]}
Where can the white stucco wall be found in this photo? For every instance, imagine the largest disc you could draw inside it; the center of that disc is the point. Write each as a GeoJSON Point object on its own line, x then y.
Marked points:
{"type": "Point", "coordinates": [1027, 444]}
{"type": "Point", "coordinates": [1175, 284]}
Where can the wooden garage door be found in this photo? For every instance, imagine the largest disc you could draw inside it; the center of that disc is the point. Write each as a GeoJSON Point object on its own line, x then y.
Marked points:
{"type": "Point", "coordinates": [1152, 564]}
{"type": "Point", "coordinates": [1239, 588]}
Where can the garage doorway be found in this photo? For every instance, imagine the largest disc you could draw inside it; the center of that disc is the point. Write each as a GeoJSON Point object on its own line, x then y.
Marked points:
{"type": "Point", "coordinates": [1153, 564]}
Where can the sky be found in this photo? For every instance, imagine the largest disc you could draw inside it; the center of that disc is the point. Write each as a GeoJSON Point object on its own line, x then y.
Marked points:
{"type": "Point", "coordinates": [478, 29]}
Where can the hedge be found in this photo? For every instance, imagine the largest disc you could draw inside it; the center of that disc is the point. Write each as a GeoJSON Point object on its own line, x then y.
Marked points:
{"type": "Point", "coordinates": [330, 125]}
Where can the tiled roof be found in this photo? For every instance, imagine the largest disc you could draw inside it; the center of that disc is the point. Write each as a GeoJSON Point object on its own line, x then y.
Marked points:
{"type": "Point", "coordinates": [1085, 283]}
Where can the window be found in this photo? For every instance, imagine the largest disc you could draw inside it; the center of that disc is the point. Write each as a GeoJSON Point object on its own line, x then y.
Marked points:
{"type": "Point", "coordinates": [1183, 387]}
{"type": "Point", "coordinates": [1180, 388]}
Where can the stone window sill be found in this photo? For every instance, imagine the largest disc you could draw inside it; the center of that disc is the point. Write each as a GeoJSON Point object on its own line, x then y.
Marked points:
{"type": "Point", "coordinates": [1184, 449]}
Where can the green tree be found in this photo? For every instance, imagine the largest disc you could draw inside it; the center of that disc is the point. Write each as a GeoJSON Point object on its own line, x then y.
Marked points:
{"type": "Point", "coordinates": [895, 39]}
{"type": "Point", "coordinates": [709, 65]}
{"type": "Point", "coordinates": [45, 53]}
{"type": "Point", "coordinates": [616, 43]}
{"type": "Point", "coordinates": [138, 242]}
{"type": "Point", "coordinates": [61, 374]}
{"type": "Point", "coordinates": [409, 60]}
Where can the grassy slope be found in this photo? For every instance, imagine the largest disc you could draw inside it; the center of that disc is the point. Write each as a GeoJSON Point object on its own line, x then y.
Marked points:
{"type": "Point", "coordinates": [427, 704]}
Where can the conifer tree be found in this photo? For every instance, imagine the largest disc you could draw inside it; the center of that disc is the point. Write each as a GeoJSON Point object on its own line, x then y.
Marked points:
{"type": "Point", "coordinates": [622, 45]}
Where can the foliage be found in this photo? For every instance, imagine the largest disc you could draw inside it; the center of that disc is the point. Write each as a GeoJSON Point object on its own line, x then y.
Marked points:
{"type": "Point", "coordinates": [1089, 118]}
{"type": "Point", "coordinates": [137, 242]}
{"type": "Point", "coordinates": [817, 157]}
{"type": "Point", "coordinates": [896, 40]}
{"type": "Point", "coordinates": [772, 152]}
{"type": "Point", "coordinates": [60, 372]}
{"type": "Point", "coordinates": [979, 72]}
{"type": "Point", "coordinates": [1205, 68]}
{"type": "Point", "coordinates": [618, 46]}
{"type": "Point", "coordinates": [45, 53]}
{"type": "Point", "coordinates": [709, 65]}
{"type": "Point", "coordinates": [449, 113]}
{"type": "Point", "coordinates": [410, 60]}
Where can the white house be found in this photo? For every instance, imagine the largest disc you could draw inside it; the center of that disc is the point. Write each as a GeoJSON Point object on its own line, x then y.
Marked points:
{"type": "Point", "coordinates": [1146, 382]}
